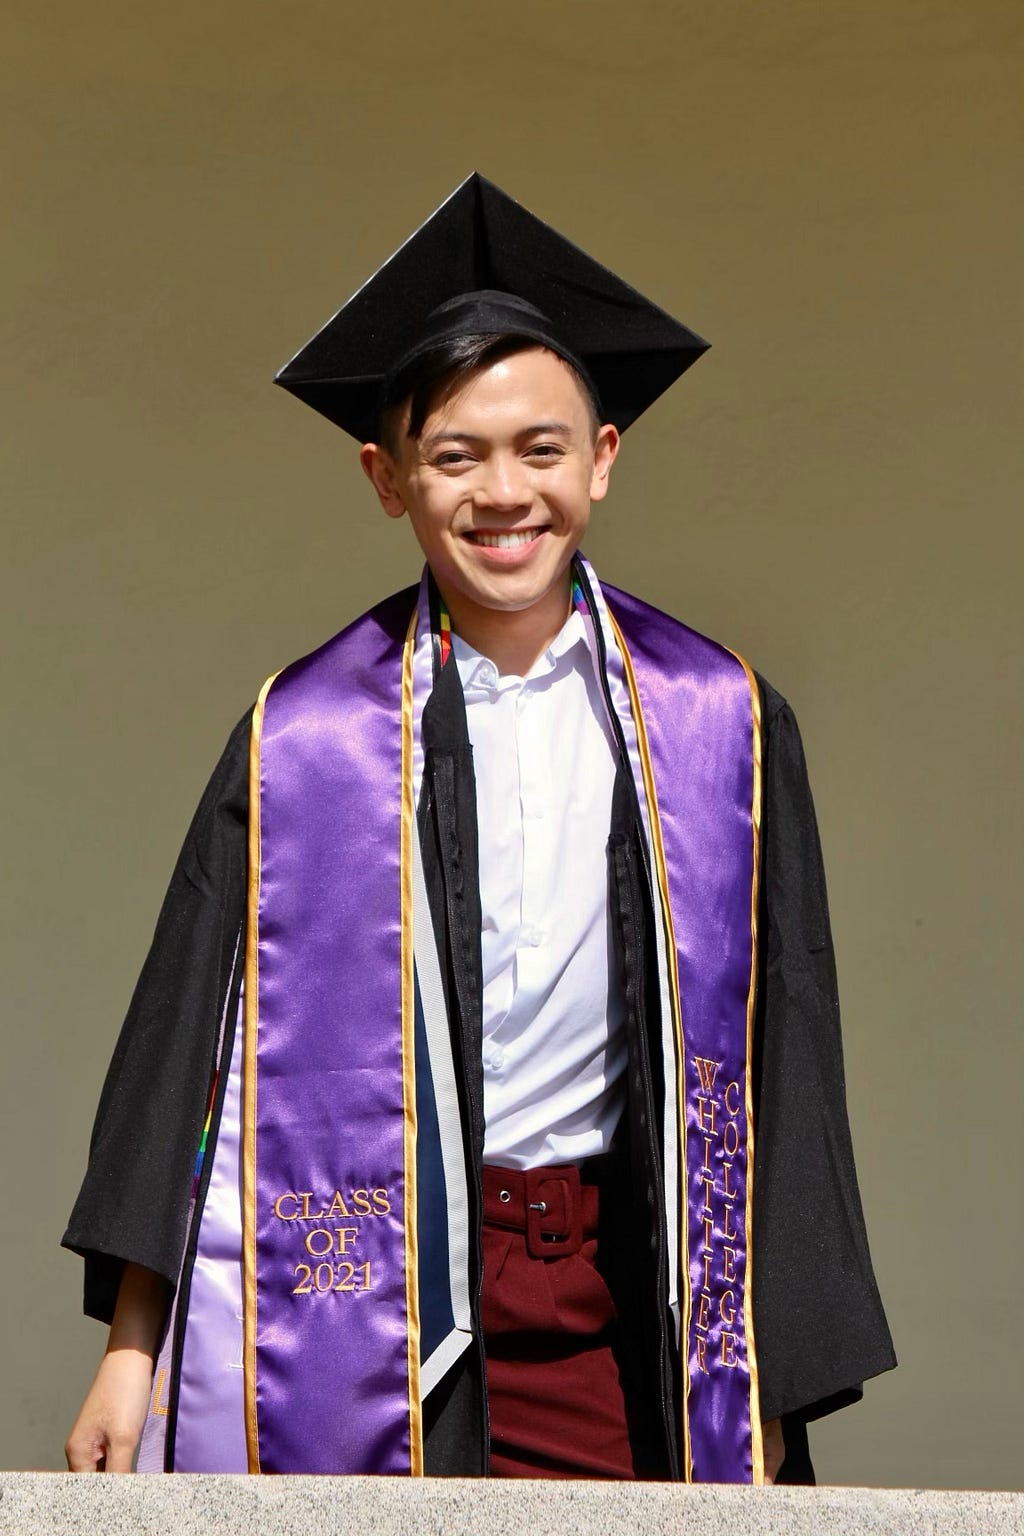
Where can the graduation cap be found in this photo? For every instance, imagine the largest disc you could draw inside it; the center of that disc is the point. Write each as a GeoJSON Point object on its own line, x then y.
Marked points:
{"type": "Point", "coordinates": [481, 264]}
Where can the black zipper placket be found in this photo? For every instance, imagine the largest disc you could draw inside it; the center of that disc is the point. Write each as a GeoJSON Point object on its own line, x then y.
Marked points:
{"type": "Point", "coordinates": [444, 794]}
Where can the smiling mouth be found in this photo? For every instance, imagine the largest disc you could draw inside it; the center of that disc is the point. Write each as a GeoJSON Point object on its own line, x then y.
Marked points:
{"type": "Point", "coordinates": [515, 540]}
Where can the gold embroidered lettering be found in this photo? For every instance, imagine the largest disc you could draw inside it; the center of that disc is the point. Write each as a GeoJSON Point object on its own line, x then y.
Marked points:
{"type": "Point", "coordinates": [705, 1120]}
{"type": "Point", "coordinates": [707, 1071]}
{"type": "Point", "coordinates": [161, 1407]}
{"type": "Point", "coordinates": [722, 1294]}
{"type": "Point", "coordinates": [330, 1277]}
{"type": "Point", "coordinates": [315, 1247]}
{"type": "Point", "coordinates": [331, 1252]}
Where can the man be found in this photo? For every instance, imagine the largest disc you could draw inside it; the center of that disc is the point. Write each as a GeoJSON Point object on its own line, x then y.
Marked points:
{"type": "Point", "coordinates": [498, 934]}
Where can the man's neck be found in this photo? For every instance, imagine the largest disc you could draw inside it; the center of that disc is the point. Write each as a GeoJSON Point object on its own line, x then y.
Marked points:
{"type": "Point", "coordinates": [513, 640]}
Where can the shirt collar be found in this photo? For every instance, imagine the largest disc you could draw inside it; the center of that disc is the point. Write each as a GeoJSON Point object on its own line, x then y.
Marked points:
{"type": "Point", "coordinates": [477, 671]}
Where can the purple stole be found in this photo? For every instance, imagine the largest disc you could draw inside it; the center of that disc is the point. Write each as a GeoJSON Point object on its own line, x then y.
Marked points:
{"type": "Point", "coordinates": [328, 1143]}
{"type": "Point", "coordinates": [698, 717]}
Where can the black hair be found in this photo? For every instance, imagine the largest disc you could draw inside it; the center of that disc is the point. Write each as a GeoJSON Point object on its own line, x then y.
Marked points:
{"type": "Point", "coordinates": [434, 373]}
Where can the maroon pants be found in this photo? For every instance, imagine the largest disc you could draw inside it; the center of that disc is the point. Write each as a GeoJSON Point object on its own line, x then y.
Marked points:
{"type": "Point", "coordinates": [556, 1402]}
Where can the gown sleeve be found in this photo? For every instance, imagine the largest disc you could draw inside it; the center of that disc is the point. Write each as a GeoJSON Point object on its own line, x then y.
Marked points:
{"type": "Point", "coordinates": [133, 1204]}
{"type": "Point", "coordinates": [821, 1330]}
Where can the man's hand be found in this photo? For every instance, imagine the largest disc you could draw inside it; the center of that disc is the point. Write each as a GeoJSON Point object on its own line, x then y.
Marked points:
{"type": "Point", "coordinates": [109, 1424]}
{"type": "Point", "coordinates": [774, 1448]}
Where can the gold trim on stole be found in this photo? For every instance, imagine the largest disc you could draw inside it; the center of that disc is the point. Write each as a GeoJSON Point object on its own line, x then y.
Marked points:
{"type": "Point", "coordinates": [756, 1438]}
{"type": "Point", "coordinates": [673, 971]}
{"type": "Point", "coordinates": [252, 990]}
{"type": "Point", "coordinates": [412, 1293]}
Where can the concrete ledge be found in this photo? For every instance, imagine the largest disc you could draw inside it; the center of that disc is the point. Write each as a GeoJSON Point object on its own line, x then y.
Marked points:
{"type": "Point", "coordinates": [49, 1503]}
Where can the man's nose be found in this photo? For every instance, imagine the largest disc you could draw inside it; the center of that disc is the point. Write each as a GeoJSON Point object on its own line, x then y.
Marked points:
{"type": "Point", "coordinates": [504, 484]}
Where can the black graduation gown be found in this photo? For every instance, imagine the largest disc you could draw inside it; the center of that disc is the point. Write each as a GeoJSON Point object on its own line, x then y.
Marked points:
{"type": "Point", "coordinates": [819, 1324]}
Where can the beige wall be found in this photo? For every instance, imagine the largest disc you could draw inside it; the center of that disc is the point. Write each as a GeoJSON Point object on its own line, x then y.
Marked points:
{"type": "Point", "coordinates": [831, 193]}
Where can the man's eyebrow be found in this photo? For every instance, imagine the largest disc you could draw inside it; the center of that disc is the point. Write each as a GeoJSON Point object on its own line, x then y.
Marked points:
{"type": "Point", "coordinates": [538, 429]}
{"type": "Point", "coordinates": [549, 429]}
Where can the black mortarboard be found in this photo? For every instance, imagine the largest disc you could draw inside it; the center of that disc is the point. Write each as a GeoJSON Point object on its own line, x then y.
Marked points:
{"type": "Point", "coordinates": [481, 262]}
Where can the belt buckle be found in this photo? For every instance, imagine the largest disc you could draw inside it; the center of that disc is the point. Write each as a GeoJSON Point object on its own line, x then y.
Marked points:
{"type": "Point", "coordinates": [554, 1212]}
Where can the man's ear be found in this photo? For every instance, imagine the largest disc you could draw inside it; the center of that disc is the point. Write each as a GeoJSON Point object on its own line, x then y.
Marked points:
{"type": "Point", "coordinates": [382, 472]}
{"type": "Point", "coordinates": [606, 449]}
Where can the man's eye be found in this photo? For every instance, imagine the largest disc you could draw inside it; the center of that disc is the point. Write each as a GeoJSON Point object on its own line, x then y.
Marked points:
{"type": "Point", "coordinates": [451, 460]}
{"type": "Point", "coordinates": [546, 451]}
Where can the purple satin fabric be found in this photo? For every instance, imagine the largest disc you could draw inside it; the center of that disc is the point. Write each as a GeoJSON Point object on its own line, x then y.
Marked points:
{"type": "Point", "coordinates": [695, 699]}
{"type": "Point", "coordinates": [332, 1374]}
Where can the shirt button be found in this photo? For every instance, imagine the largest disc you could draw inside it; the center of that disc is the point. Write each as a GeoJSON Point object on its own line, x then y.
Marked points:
{"type": "Point", "coordinates": [496, 1058]}
{"type": "Point", "coordinates": [532, 937]}
{"type": "Point", "coordinates": [488, 676]}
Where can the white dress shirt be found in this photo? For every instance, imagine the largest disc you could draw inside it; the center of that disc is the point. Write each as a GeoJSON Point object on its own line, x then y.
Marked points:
{"type": "Point", "coordinates": [554, 1047]}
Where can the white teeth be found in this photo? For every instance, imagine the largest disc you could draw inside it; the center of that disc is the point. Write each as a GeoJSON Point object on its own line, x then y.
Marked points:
{"type": "Point", "coordinates": [505, 540]}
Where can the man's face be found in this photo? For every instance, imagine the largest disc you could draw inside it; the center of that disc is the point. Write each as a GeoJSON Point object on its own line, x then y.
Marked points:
{"type": "Point", "coordinates": [499, 484]}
